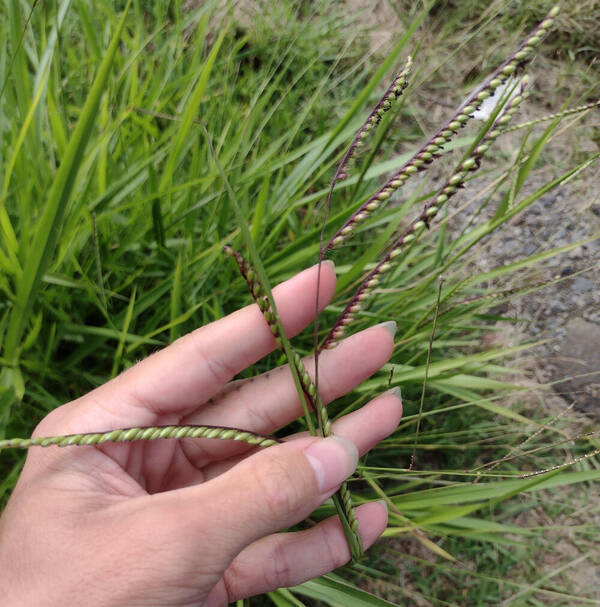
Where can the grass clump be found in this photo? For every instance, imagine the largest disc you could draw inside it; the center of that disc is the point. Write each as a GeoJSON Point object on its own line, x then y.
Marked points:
{"type": "Point", "coordinates": [127, 167]}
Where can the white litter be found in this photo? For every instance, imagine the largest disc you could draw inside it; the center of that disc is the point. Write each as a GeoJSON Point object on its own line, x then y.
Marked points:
{"type": "Point", "coordinates": [488, 105]}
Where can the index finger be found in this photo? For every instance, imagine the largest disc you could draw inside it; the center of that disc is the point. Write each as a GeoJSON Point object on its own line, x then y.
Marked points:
{"type": "Point", "coordinates": [179, 378]}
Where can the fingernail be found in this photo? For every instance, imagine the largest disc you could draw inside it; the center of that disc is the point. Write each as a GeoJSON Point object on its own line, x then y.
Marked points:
{"type": "Point", "coordinates": [389, 326]}
{"type": "Point", "coordinates": [394, 392]}
{"type": "Point", "coordinates": [330, 263]}
{"type": "Point", "coordinates": [384, 504]}
{"type": "Point", "coordinates": [333, 460]}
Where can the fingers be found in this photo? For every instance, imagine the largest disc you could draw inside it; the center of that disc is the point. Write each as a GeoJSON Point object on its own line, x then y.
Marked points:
{"type": "Point", "coordinates": [268, 491]}
{"type": "Point", "coordinates": [365, 428]}
{"type": "Point", "coordinates": [287, 559]}
{"type": "Point", "coordinates": [271, 400]}
{"type": "Point", "coordinates": [196, 366]}
{"type": "Point", "coordinates": [192, 369]}
{"type": "Point", "coordinates": [372, 423]}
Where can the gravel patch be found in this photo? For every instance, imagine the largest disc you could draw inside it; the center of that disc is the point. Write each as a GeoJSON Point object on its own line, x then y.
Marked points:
{"type": "Point", "coordinates": [566, 313]}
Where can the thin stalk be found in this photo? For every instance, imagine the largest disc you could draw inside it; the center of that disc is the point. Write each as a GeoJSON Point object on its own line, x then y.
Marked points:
{"type": "Point", "coordinates": [561, 466]}
{"type": "Point", "coordinates": [575, 110]}
{"type": "Point", "coordinates": [98, 260]}
{"type": "Point", "coordinates": [262, 279]}
{"type": "Point", "coordinates": [546, 447]}
{"type": "Point", "coordinates": [424, 388]}
{"type": "Point", "coordinates": [514, 451]}
{"type": "Point", "coordinates": [17, 48]}
{"type": "Point", "coordinates": [342, 500]}
{"type": "Point", "coordinates": [505, 293]}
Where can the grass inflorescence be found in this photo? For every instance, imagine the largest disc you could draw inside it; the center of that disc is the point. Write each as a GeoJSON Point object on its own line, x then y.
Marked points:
{"type": "Point", "coordinates": [454, 183]}
{"type": "Point", "coordinates": [143, 433]}
{"type": "Point", "coordinates": [435, 145]}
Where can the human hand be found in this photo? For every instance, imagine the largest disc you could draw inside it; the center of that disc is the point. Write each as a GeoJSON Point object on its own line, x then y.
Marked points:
{"type": "Point", "coordinates": [195, 521]}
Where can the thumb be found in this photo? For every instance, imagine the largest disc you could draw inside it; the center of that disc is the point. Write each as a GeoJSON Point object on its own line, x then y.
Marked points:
{"type": "Point", "coordinates": [265, 493]}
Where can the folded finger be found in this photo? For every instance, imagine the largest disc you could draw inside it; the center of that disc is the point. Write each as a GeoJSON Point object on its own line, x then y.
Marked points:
{"type": "Point", "coordinates": [287, 559]}
{"type": "Point", "coordinates": [264, 493]}
{"type": "Point", "coordinates": [365, 428]}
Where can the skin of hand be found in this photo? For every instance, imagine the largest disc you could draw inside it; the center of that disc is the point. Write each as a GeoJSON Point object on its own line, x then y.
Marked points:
{"type": "Point", "coordinates": [195, 522]}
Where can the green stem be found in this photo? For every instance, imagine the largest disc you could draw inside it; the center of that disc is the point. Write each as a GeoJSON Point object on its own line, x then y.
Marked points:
{"type": "Point", "coordinates": [263, 280]}
{"type": "Point", "coordinates": [343, 502]}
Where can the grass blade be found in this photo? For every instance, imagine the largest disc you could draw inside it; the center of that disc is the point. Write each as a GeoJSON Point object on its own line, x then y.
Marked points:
{"type": "Point", "coordinates": [42, 247]}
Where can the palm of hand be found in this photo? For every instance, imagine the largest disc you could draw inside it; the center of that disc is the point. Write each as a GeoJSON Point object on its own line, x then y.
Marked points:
{"type": "Point", "coordinates": [192, 521]}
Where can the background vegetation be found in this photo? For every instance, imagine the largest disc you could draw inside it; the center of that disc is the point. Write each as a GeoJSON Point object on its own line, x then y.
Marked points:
{"type": "Point", "coordinates": [113, 215]}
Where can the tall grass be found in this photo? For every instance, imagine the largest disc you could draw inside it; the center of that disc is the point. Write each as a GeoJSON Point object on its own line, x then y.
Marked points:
{"type": "Point", "coordinates": [117, 149]}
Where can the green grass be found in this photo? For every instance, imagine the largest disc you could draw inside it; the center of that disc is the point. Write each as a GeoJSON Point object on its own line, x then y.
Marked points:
{"type": "Point", "coordinates": [114, 212]}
